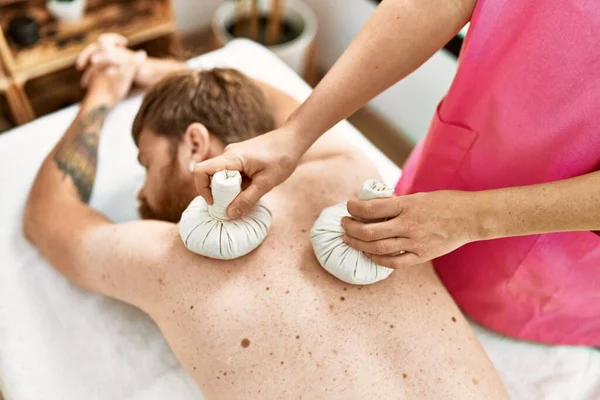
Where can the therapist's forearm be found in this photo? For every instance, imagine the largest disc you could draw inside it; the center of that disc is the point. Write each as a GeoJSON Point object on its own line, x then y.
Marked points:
{"type": "Point", "coordinates": [399, 37]}
{"type": "Point", "coordinates": [562, 206]}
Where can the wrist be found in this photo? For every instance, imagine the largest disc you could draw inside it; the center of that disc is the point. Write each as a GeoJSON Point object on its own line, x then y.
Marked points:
{"type": "Point", "coordinates": [96, 97]}
{"type": "Point", "coordinates": [301, 135]}
{"type": "Point", "coordinates": [151, 70]}
{"type": "Point", "coordinates": [296, 143]}
{"type": "Point", "coordinates": [487, 220]}
{"type": "Point", "coordinates": [144, 72]}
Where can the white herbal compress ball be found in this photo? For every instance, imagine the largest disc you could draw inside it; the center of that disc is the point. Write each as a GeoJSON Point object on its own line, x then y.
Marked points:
{"type": "Point", "coordinates": [207, 230]}
{"type": "Point", "coordinates": [338, 258]}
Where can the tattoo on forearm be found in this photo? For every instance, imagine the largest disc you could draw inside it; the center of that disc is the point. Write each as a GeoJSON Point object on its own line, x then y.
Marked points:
{"type": "Point", "coordinates": [78, 156]}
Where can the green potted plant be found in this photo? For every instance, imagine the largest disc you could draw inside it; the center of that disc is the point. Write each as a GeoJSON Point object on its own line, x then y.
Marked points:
{"type": "Point", "coordinates": [287, 28]}
{"type": "Point", "coordinates": [67, 10]}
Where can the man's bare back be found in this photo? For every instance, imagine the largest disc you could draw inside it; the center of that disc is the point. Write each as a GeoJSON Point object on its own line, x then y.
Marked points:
{"type": "Point", "coordinates": [274, 324]}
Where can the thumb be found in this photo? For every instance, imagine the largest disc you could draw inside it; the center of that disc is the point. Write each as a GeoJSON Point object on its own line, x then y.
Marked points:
{"type": "Point", "coordinates": [204, 170]}
{"type": "Point", "coordinates": [247, 199]}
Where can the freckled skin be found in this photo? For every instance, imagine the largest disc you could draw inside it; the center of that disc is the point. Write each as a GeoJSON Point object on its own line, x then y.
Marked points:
{"type": "Point", "coordinates": [275, 325]}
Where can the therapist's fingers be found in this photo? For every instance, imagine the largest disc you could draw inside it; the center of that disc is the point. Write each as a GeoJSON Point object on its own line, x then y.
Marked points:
{"type": "Point", "coordinates": [205, 170]}
{"type": "Point", "coordinates": [247, 199]}
{"type": "Point", "coordinates": [397, 261]}
{"type": "Point", "coordinates": [380, 247]}
{"type": "Point", "coordinates": [376, 208]}
{"type": "Point", "coordinates": [370, 232]}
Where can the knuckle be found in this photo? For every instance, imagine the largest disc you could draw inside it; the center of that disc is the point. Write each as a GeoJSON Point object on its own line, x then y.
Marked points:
{"type": "Point", "coordinates": [411, 225]}
{"type": "Point", "coordinates": [367, 210]}
{"type": "Point", "coordinates": [366, 232]}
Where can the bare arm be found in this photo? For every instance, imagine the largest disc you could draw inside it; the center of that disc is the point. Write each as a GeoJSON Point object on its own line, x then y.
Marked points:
{"type": "Point", "coordinates": [561, 206]}
{"type": "Point", "coordinates": [155, 69]}
{"type": "Point", "coordinates": [110, 49]}
{"type": "Point", "coordinates": [399, 37]}
{"type": "Point", "coordinates": [78, 241]}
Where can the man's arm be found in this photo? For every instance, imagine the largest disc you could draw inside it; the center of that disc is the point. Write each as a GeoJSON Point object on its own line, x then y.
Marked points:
{"type": "Point", "coordinates": [78, 241]}
{"type": "Point", "coordinates": [110, 49]}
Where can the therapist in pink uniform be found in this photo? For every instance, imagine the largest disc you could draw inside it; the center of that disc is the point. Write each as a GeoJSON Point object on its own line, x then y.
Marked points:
{"type": "Point", "coordinates": [504, 192]}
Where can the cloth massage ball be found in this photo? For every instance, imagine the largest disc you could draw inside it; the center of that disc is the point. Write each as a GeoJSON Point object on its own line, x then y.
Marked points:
{"type": "Point", "coordinates": [338, 258]}
{"type": "Point", "coordinates": [206, 230]}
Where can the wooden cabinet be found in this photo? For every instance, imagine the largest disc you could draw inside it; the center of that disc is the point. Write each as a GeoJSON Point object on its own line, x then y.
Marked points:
{"type": "Point", "coordinates": [141, 21]}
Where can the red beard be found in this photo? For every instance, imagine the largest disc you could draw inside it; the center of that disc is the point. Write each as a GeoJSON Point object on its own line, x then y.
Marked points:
{"type": "Point", "coordinates": [174, 197]}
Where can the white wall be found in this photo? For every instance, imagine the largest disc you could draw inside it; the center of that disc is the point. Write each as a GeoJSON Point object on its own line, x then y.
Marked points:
{"type": "Point", "coordinates": [192, 15]}
{"type": "Point", "coordinates": [409, 104]}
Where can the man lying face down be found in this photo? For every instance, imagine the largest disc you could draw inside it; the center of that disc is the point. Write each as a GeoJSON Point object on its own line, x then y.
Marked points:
{"type": "Point", "coordinates": [272, 324]}
{"type": "Point", "coordinates": [188, 117]}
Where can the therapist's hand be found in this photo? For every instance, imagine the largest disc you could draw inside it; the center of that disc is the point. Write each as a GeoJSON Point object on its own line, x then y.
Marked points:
{"type": "Point", "coordinates": [267, 160]}
{"type": "Point", "coordinates": [423, 225]}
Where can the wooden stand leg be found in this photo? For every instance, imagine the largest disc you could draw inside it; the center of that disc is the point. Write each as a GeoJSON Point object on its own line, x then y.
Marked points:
{"type": "Point", "coordinates": [310, 71]}
{"type": "Point", "coordinates": [167, 46]}
{"type": "Point", "coordinates": [175, 48]}
{"type": "Point", "coordinates": [19, 104]}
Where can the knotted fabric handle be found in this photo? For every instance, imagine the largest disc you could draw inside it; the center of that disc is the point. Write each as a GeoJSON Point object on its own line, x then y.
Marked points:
{"type": "Point", "coordinates": [372, 189]}
{"type": "Point", "coordinates": [225, 186]}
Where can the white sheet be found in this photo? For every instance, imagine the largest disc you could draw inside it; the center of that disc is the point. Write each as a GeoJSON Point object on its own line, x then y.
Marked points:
{"type": "Point", "coordinates": [60, 342]}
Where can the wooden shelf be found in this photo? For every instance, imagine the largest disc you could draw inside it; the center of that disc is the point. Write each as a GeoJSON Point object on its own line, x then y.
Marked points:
{"type": "Point", "coordinates": [60, 42]}
{"type": "Point", "coordinates": [3, 82]}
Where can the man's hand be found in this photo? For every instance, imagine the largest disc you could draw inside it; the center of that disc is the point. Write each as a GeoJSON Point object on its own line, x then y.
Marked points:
{"type": "Point", "coordinates": [105, 42]}
{"type": "Point", "coordinates": [109, 50]}
{"type": "Point", "coordinates": [423, 226]}
{"type": "Point", "coordinates": [112, 82]}
{"type": "Point", "coordinates": [267, 160]}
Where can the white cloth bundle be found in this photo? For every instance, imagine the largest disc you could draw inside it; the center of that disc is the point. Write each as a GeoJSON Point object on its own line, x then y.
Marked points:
{"type": "Point", "coordinates": [339, 259]}
{"type": "Point", "coordinates": [206, 229]}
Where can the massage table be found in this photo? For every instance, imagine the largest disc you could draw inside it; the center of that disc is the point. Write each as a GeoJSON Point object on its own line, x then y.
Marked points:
{"type": "Point", "coordinates": [60, 342]}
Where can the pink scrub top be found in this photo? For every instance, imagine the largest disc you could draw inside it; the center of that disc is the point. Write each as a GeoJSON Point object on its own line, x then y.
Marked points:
{"type": "Point", "coordinates": [524, 108]}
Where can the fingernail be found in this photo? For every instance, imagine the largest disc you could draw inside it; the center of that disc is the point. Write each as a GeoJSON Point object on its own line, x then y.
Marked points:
{"type": "Point", "coordinates": [235, 213]}
{"type": "Point", "coordinates": [191, 166]}
{"type": "Point", "coordinates": [345, 239]}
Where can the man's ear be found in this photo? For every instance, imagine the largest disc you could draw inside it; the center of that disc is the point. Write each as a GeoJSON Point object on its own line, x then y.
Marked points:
{"type": "Point", "coordinates": [197, 142]}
